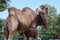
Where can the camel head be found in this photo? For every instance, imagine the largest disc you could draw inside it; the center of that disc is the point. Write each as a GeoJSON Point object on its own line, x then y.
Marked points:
{"type": "Point", "coordinates": [43, 12]}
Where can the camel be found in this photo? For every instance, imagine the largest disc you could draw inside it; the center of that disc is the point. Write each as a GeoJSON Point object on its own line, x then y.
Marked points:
{"type": "Point", "coordinates": [25, 22]}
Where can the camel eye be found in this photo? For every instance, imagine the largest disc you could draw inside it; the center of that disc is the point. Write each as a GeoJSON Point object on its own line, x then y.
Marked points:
{"type": "Point", "coordinates": [42, 8]}
{"type": "Point", "coordinates": [46, 9]}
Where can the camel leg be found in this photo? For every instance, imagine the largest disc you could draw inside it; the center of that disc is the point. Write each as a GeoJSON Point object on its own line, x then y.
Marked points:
{"type": "Point", "coordinates": [29, 38]}
{"type": "Point", "coordinates": [6, 32]}
{"type": "Point", "coordinates": [10, 35]}
{"type": "Point", "coordinates": [31, 33]}
{"type": "Point", "coordinates": [21, 36]}
{"type": "Point", "coordinates": [6, 36]}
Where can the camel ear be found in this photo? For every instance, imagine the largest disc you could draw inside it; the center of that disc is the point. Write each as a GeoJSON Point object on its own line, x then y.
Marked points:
{"type": "Point", "coordinates": [36, 9]}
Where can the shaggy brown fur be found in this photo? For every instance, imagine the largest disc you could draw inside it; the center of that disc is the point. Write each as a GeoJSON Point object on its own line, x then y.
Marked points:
{"type": "Point", "coordinates": [24, 21]}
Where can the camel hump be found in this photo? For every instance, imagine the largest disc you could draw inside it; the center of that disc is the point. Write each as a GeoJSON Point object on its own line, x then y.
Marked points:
{"type": "Point", "coordinates": [11, 8]}
{"type": "Point", "coordinates": [12, 11]}
{"type": "Point", "coordinates": [26, 8]}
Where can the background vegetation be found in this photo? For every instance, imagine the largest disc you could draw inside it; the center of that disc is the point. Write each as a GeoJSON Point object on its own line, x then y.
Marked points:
{"type": "Point", "coordinates": [3, 4]}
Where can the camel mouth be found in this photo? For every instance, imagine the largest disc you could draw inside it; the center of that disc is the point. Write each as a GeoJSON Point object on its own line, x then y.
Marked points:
{"type": "Point", "coordinates": [44, 19]}
{"type": "Point", "coordinates": [43, 16]}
